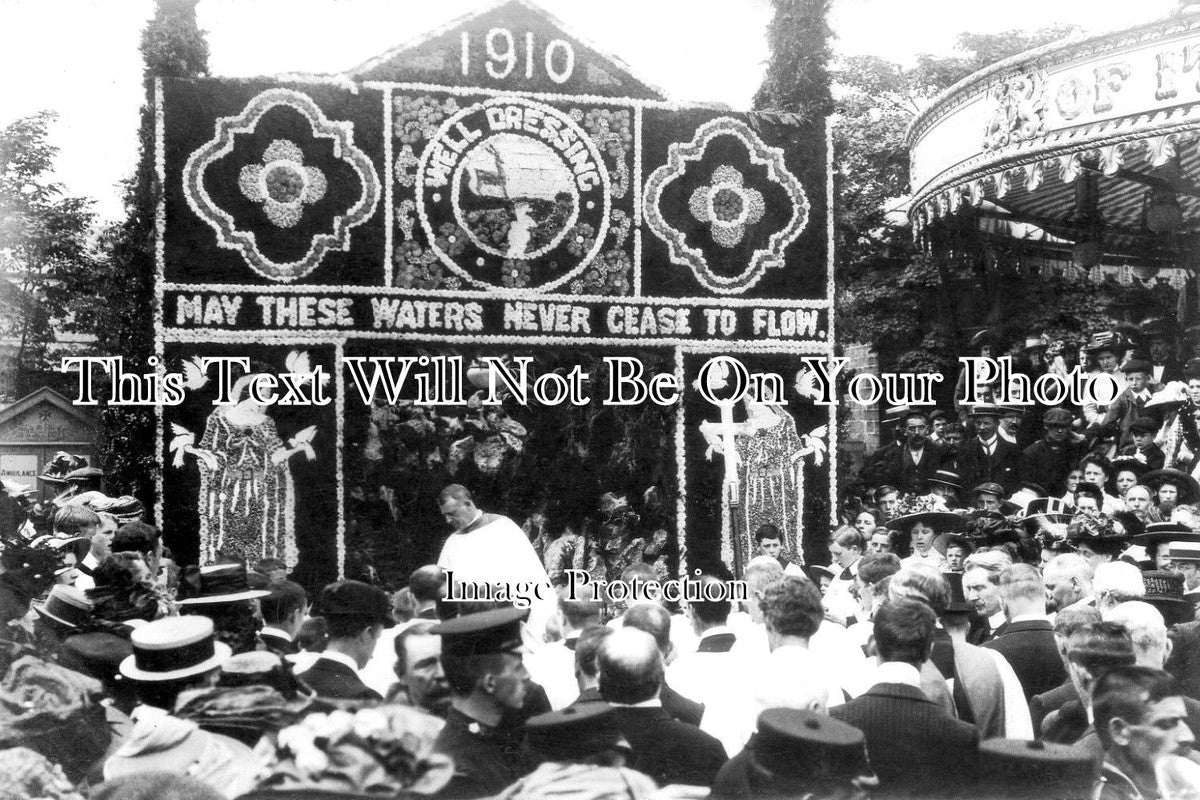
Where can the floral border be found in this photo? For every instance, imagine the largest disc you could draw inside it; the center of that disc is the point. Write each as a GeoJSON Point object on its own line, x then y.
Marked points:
{"type": "Point", "coordinates": [761, 154]}
{"type": "Point", "coordinates": [245, 242]}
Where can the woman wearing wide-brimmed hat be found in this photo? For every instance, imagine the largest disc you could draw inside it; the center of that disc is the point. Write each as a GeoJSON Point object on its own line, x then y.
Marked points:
{"type": "Point", "coordinates": [1105, 349]}
{"type": "Point", "coordinates": [922, 520]}
{"type": "Point", "coordinates": [1172, 488]}
{"type": "Point", "coordinates": [1095, 537]}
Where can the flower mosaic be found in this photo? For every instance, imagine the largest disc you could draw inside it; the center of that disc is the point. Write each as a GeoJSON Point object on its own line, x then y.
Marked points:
{"type": "Point", "coordinates": [727, 206]}
{"type": "Point", "coordinates": [282, 183]}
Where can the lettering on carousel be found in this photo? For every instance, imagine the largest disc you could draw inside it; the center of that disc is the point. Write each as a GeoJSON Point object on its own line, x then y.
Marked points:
{"type": "Point", "coordinates": [584, 319]}
{"type": "Point", "coordinates": [1172, 72]}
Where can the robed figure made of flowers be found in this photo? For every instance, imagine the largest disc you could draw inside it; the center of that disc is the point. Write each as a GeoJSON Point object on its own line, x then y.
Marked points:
{"type": "Point", "coordinates": [247, 500]}
{"type": "Point", "coordinates": [770, 462]}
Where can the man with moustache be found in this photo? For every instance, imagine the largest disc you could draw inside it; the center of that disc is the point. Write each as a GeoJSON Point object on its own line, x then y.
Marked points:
{"type": "Point", "coordinates": [910, 466]}
{"type": "Point", "coordinates": [421, 680]}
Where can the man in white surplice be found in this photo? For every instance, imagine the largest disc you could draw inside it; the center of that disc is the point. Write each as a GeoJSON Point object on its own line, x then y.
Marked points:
{"type": "Point", "coordinates": [492, 549]}
{"type": "Point", "coordinates": [713, 667]}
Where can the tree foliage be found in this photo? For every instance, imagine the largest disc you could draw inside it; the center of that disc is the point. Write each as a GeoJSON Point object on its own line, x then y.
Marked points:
{"type": "Point", "coordinates": [172, 46]}
{"type": "Point", "coordinates": [797, 78]}
{"type": "Point", "coordinates": [49, 270]}
{"type": "Point", "coordinates": [912, 307]}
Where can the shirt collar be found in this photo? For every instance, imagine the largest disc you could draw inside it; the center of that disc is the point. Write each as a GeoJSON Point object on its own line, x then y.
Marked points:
{"type": "Point", "coordinates": [267, 630]}
{"type": "Point", "coordinates": [898, 672]}
{"type": "Point", "coordinates": [653, 702]}
{"type": "Point", "coordinates": [341, 658]}
{"type": "Point", "coordinates": [997, 619]}
{"type": "Point", "coordinates": [1030, 618]}
{"type": "Point", "coordinates": [716, 631]}
{"type": "Point", "coordinates": [90, 560]}
{"type": "Point", "coordinates": [989, 442]}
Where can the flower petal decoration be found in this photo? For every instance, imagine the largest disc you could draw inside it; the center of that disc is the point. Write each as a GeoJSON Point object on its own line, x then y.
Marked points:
{"type": "Point", "coordinates": [283, 184]}
{"type": "Point", "coordinates": [728, 206]}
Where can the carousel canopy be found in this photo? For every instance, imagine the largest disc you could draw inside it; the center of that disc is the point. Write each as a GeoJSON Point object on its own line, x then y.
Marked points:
{"type": "Point", "coordinates": [1092, 140]}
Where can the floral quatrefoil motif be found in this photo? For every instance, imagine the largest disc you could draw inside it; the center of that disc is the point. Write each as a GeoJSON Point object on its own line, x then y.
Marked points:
{"type": "Point", "coordinates": [282, 183]}
{"type": "Point", "coordinates": [310, 209]}
{"type": "Point", "coordinates": [727, 206]}
{"type": "Point", "coordinates": [736, 241]}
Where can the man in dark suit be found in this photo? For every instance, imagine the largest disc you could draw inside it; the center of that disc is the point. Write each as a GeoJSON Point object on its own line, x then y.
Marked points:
{"type": "Point", "coordinates": [914, 746]}
{"type": "Point", "coordinates": [356, 615]}
{"type": "Point", "coordinates": [1158, 338]}
{"type": "Point", "coordinates": [989, 457]}
{"type": "Point", "coordinates": [483, 662]}
{"type": "Point", "coordinates": [669, 751]}
{"type": "Point", "coordinates": [428, 587]}
{"type": "Point", "coordinates": [283, 613]}
{"type": "Point", "coordinates": [655, 620]}
{"type": "Point", "coordinates": [909, 466]}
{"type": "Point", "coordinates": [1048, 461]}
{"type": "Point", "coordinates": [587, 672]}
{"type": "Point", "coordinates": [1027, 642]}
{"type": "Point", "coordinates": [1066, 622]}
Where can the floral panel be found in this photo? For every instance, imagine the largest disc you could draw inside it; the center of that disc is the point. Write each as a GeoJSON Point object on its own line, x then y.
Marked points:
{"type": "Point", "coordinates": [735, 205]}
{"type": "Point", "coordinates": [512, 195]}
{"type": "Point", "coordinates": [273, 184]}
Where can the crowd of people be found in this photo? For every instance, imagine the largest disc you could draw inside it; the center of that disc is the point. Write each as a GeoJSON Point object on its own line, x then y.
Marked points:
{"type": "Point", "coordinates": [1001, 617]}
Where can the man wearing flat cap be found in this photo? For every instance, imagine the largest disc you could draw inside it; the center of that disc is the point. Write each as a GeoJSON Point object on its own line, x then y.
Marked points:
{"type": "Point", "coordinates": [1049, 460]}
{"type": "Point", "coordinates": [356, 615]}
{"type": "Point", "coordinates": [484, 665]}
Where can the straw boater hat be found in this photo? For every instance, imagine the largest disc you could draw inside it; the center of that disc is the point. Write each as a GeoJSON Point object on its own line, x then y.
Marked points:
{"type": "Point", "coordinates": [217, 583]}
{"type": "Point", "coordinates": [947, 477]}
{"type": "Point", "coordinates": [985, 410]}
{"type": "Point", "coordinates": [172, 648]}
{"type": "Point", "coordinates": [1164, 591]}
{"type": "Point", "coordinates": [1158, 533]}
{"type": "Point", "coordinates": [1035, 343]}
{"type": "Point", "coordinates": [1107, 340]}
{"type": "Point", "coordinates": [1189, 489]}
{"type": "Point", "coordinates": [65, 605]}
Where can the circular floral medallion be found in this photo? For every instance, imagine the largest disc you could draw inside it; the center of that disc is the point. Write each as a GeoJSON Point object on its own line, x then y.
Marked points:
{"type": "Point", "coordinates": [513, 194]}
